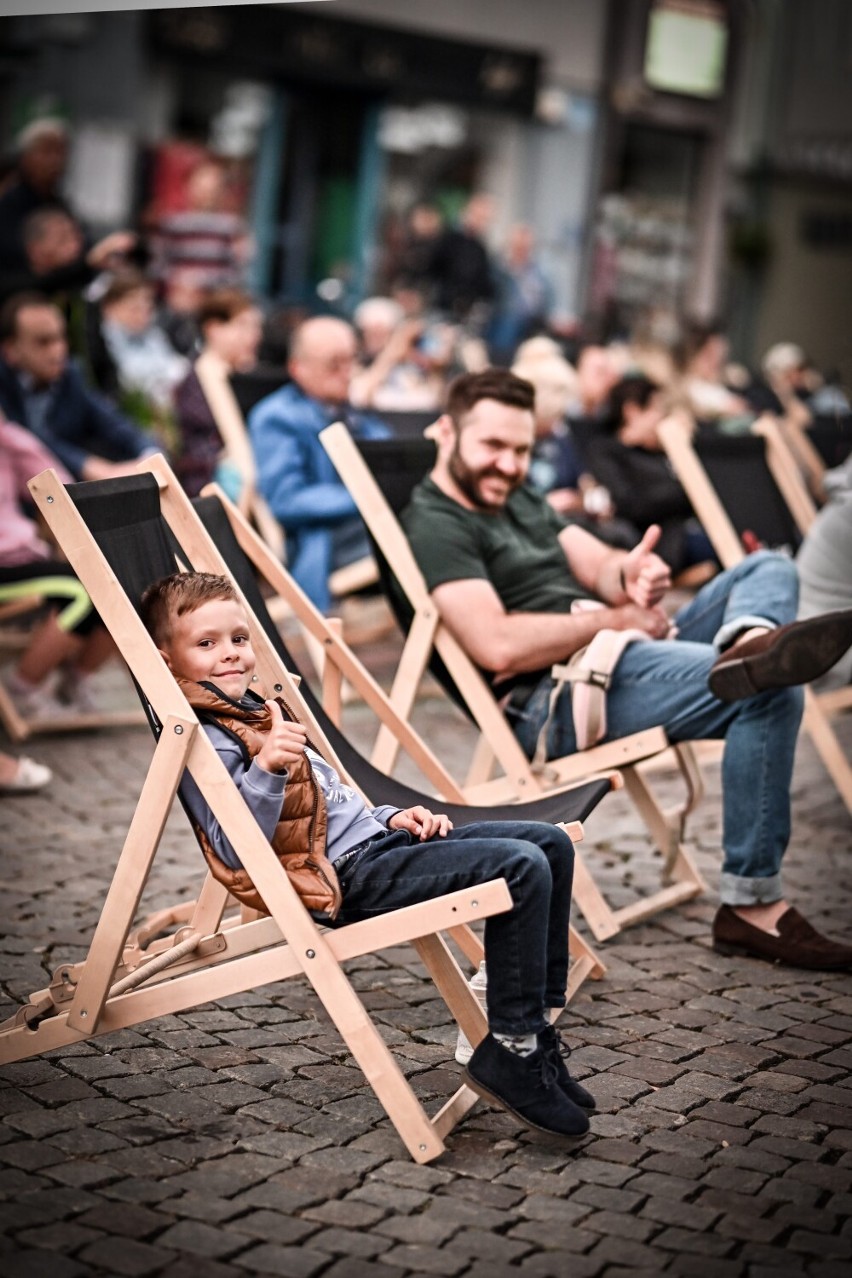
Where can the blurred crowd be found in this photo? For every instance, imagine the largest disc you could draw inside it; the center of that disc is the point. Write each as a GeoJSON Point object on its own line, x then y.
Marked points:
{"type": "Point", "coordinates": [149, 340]}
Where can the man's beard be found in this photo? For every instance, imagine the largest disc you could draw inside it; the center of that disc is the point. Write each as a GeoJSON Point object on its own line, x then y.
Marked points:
{"type": "Point", "coordinates": [468, 480]}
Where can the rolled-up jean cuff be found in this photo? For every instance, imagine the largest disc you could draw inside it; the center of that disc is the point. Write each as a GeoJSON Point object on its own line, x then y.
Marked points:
{"type": "Point", "coordinates": [735, 889]}
{"type": "Point", "coordinates": [727, 633]}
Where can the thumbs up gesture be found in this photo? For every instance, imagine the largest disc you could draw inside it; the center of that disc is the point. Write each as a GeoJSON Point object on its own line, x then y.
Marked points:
{"type": "Point", "coordinates": [284, 744]}
{"type": "Point", "coordinates": [647, 577]}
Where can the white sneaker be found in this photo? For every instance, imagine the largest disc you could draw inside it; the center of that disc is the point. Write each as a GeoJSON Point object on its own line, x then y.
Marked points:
{"type": "Point", "coordinates": [29, 776]}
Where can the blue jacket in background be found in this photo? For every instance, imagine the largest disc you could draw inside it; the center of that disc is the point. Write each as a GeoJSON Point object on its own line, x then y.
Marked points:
{"type": "Point", "coordinates": [299, 481]}
{"type": "Point", "coordinates": [78, 423]}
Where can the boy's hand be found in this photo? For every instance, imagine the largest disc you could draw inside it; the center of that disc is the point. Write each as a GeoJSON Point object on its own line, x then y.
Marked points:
{"type": "Point", "coordinates": [284, 745]}
{"type": "Point", "coordinates": [422, 822]}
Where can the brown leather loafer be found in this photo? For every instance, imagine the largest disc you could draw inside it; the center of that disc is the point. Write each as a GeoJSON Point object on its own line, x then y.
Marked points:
{"type": "Point", "coordinates": [792, 654]}
{"type": "Point", "coordinates": [796, 945]}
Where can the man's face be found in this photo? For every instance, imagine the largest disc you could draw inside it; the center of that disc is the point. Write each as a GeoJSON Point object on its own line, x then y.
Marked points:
{"type": "Point", "coordinates": [489, 453]}
{"type": "Point", "coordinates": [324, 367]}
{"type": "Point", "coordinates": [212, 644]}
{"type": "Point", "coordinates": [39, 346]}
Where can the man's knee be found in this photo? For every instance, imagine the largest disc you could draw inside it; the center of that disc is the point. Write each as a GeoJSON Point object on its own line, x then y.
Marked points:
{"type": "Point", "coordinates": [780, 565]}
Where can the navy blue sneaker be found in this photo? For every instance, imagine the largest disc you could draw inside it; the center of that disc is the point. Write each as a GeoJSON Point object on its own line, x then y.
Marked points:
{"type": "Point", "coordinates": [526, 1086]}
{"type": "Point", "coordinates": [557, 1051]}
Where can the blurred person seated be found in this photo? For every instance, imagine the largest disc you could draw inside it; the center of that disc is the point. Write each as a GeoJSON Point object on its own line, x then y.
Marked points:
{"type": "Point", "coordinates": [53, 676]}
{"type": "Point", "coordinates": [41, 389]}
{"type": "Point", "coordinates": [393, 371]}
{"type": "Point", "coordinates": [143, 360]}
{"type": "Point", "coordinates": [824, 563]}
{"type": "Point", "coordinates": [231, 327]}
{"type": "Point", "coordinates": [295, 474]}
{"type": "Point", "coordinates": [556, 468]}
{"type": "Point", "coordinates": [524, 296]}
{"type": "Point", "coordinates": [625, 454]}
{"type": "Point", "coordinates": [702, 358]}
{"type": "Point", "coordinates": [207, 238]}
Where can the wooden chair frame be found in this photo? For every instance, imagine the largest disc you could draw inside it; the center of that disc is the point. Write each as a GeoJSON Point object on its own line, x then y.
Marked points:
{"type": "Point", "coordinates": [340, 663]}
{"type": "Point", "coordinates": [682, 880]}
{"type": "Point", "coordinates": [128, 978]}
{"type": "Point", "coordinates": [709, 506]}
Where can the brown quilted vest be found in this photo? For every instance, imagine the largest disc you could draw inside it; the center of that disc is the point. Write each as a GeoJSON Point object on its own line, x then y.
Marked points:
{"type": "Point", "coordinates": [299, 837]}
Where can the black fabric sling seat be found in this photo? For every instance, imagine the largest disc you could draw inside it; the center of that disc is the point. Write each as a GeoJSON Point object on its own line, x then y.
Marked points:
{"type": "Point", "coordinates": [737, 468]}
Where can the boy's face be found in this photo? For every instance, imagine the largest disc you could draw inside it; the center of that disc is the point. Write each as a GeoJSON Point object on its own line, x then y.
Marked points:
{"type": "Point", "coordinates": [212, 644]}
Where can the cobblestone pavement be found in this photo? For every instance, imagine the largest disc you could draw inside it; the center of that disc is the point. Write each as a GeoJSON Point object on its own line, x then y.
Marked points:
{"type": "Point", "coordinates": [238, 1138]}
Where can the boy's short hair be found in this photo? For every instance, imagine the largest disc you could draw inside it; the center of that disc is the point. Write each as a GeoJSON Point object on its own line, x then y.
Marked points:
{"type": "Point", "coordinates": [468, 389]}
{"type": "Point", "coordinates": [177, 595]}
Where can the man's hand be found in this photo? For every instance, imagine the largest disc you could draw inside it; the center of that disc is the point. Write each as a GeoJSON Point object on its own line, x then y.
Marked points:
{"type": "Point", "coordinates": [653, 621]}
{"type": "Point", "coordinates": [647, 577]}
{"type": "Point", "coordinates": [285, 744]}
{"type": "Point", "coordinates": [422, 822]}
{"type": "Point", "coordinates": [117, 244]}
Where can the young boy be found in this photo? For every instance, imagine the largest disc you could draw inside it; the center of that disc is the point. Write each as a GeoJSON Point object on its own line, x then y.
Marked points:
{"type": "Point", "coordinates": [381, 858]}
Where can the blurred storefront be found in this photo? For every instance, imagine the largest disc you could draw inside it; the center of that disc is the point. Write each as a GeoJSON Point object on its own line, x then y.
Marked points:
{"type": "Point", "coordinates": [673, 156]}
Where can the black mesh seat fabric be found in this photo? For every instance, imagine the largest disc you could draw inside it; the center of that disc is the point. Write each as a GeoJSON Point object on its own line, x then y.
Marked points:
{"type": "Point", "coordinates": [737, 468]}
{"type": "Point", "coordinates": [574, 805]}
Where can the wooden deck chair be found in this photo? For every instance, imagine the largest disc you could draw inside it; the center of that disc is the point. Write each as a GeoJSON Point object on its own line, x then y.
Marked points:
{"type": "Point", "coordinates": [429, 645]}
{"type": "Point", "coordinates": [115, 536]}
{"type": "Point", "coordinates": [230, 422]}
{"type": "Point", "coordinates": [19, 600]}
{"type": "Point", "coordinates": [751, 484]}
{"type": "Point", "coordinates": [243, 556]}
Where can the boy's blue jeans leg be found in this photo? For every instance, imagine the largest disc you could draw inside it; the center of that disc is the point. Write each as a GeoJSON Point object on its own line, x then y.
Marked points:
{"type": "Point", "coordinates": [665, 683]}
{"type": "Point", "coordinates": [526, 948]}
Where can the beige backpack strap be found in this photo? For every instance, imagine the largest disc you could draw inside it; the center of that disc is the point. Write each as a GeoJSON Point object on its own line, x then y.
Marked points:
{"type": "Point", "coordinates": [590, 670]}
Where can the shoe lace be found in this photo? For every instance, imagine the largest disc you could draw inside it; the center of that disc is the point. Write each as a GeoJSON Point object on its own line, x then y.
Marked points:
{"type": "Point", "coordinates": [548, 1072]}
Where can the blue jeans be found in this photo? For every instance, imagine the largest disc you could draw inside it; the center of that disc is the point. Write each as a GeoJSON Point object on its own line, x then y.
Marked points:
{"type": "Point", "coordinates": [665, 683]}
{"type": "Point", "coordinates": [526, 948]}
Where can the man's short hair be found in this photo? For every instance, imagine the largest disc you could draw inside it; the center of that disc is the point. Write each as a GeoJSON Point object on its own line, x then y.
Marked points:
{"type": "Point", "coordinates": [222, 305]}
{"type": "Point", "coordinates": [177, 595]}
{"type": "Point", "coordinates": [12, 308]}
{"type": "Point", "coordinates": [499, 384]}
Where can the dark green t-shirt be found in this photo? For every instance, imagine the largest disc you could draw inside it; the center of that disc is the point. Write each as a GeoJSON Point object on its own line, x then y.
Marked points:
{"type": "Point", "coordinates": [517, 549]}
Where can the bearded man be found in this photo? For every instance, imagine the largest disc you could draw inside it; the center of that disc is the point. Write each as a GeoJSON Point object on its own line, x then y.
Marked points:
{"type": "Point", "coordinates": [504, 573]}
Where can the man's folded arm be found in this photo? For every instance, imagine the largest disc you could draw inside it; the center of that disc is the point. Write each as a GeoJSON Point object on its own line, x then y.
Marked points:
{"type": "Point", "coordinates": [514, 642]}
